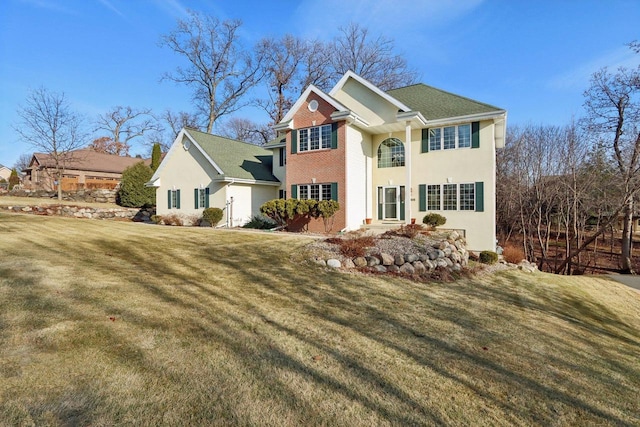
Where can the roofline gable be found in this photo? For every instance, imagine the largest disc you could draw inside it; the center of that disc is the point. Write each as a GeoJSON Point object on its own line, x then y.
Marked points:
{"type": "Point", "coordinates": [351, 75]}
{"type": "Point", "coordinates": [311, 88]}
{"type": "Point", "coordinates": [177, 143]}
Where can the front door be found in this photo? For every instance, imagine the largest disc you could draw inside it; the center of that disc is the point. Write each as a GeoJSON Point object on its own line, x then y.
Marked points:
{"type": "Point", "coordinates": [391, 202]}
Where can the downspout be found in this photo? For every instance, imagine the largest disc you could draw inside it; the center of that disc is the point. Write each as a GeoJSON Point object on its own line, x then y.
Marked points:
{"type": "Point", "coordinates": [408, 190]}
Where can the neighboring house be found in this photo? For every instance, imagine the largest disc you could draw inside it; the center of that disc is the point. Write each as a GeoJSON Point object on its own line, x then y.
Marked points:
{"type": "Point", "coordinates": [202, 170]}
{"type": "Point", "coordinates": [393, 156]}
{"type": "Point", "coordinates": [82, 169]}
{"type": "Point", "coordinates": [388, 157]}
{"type": "Point", "coordinates": [5, 173]}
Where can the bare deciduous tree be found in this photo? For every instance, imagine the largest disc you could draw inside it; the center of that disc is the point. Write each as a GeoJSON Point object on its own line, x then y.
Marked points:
{"type": "Point", "coordinates": [49, 125]}
{"type": "Point", "coordinates": [219, 70]}
{"type": "Point", "coordinates": [23, 162]}
{"type": "Point", "coordinates": [282, 62]}
{"type": "Point", "coordinates": [613, 113]}
{"type": "Point", "coordinates": [125, 124]}
{"type": "Point", "coordinates": [372, 58]}
{"type": "Point", "coordinates": [246, 130]}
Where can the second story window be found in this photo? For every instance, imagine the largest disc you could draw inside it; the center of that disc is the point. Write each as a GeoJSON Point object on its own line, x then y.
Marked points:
{"type": "Point", "coordinates": [315, 138]}
{"type": "Point", "coordinates": [391, 153]}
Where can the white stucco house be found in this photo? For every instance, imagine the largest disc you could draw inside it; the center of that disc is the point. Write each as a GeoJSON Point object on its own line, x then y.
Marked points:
{"type": "Point", "coordinates": [388, 157]}
{"type": "Point", "coordinates": [202, 170]}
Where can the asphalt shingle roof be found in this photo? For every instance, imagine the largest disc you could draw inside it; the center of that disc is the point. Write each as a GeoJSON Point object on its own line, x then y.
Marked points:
{"type": "Point", "coordinates": [237, 159]}
{"type": "Point", "coordinates": [89, 160]}
{"type": "Point", "coordinates": [436, 104]}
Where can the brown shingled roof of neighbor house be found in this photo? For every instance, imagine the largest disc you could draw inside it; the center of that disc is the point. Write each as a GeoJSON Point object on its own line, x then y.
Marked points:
{"type": "Point", "coordinates": [90, 160]}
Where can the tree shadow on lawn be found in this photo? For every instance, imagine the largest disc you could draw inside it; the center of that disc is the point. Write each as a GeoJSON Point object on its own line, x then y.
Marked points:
{"type": "Point", "coordinates": [339, 302]}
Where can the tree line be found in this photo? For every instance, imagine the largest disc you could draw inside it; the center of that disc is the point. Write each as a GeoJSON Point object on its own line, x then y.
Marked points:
{"type": "Point", "coordinates": [568, 186]}
{"type": "Point", "coordinates": [221, 72]}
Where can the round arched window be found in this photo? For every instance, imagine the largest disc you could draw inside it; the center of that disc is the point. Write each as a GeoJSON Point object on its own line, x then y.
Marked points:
{"type": "Point", "coordinates": [391, 153]}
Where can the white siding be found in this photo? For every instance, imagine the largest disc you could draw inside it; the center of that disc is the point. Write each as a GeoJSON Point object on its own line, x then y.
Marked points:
{"type": "Point", "coordinates": [247, 199]}
{"type": "Point", "coordinates": [357, 149]}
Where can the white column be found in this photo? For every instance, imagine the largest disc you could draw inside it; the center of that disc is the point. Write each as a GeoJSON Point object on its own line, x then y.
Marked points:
{"type": "Point", "coordinates": [407, 165]}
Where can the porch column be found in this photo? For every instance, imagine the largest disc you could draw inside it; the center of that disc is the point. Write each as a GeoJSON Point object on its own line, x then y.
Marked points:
{"type": "Point", "coordinates": [407, 165]}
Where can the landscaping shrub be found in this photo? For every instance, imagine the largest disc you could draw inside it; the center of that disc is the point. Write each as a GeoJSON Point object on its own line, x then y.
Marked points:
{"type": "Point", "coordinates": [354, 247]}
{"type": "Point", "coordinates": [326, 209]}
{"type": "Point", "coordinates": [434, 220]}
{"type": "Point", "coordinates": [512, 254]}
{"type": "Point", "coordinates": [410, 231]}
{"type": "Point", "coordinates": [172, 219]}
{"type": "Point", "coordinates": [488, 257]}
{"type": "Point", "coordinates": [156, 219]}
{"type": "Point", "coordinates": [284, 212]}
{"type": "Point", "coordinates": [133, 193]}
{"type": "Point", "coordinates": [260, 222]}
{"type": "Point", "coordinates": [212, 216]}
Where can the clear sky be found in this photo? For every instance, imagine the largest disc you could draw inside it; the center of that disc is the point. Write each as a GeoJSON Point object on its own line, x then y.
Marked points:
{"type": "Point", "coordinates": [530, 57]}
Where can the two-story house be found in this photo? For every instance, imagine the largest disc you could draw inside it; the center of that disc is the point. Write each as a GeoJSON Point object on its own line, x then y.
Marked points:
{"type": "Point", "coordinates": [388, 157]}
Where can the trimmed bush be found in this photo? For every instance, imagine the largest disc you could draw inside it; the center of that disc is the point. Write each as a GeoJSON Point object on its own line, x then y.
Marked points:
{"type": "Point", "coordinates": [133, 193]}
{"type": "Point", "coordinates": [212, 216]}
{"type": "Point", "coordinates": [284, 212]}
{"type": "Point", "coordinates": [488, 257]}
{"type": "Point", "coordinates": [434, 220]}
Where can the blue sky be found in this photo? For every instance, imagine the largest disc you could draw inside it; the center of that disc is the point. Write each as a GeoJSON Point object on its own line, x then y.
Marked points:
{"type": "Point", "coordinates": [533, 58]}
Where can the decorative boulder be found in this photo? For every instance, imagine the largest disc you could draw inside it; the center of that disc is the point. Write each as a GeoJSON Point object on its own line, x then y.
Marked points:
{"type": "Point", "coordinates": [407, 268]}
{"type": "Point", "coordinates": [360, 261]}
{"type": "Point", "coordinates": [334, 263]}
{"type": "Point", "coordinates": [372, 261]}
{"type": "Point", "coordinates": [386, 259]}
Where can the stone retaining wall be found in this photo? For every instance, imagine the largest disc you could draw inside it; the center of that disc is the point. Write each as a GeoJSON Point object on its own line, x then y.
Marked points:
{"type": "Point", "coordinates": [88, 196]}
{"type": "Point", "coordinates": [450, 254]}
{"type": "Point", "coordinates": [134, 214]}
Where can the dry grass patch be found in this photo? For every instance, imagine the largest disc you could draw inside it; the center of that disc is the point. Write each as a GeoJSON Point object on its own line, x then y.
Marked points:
{"type": "Point", "coordinates": [121, 323]}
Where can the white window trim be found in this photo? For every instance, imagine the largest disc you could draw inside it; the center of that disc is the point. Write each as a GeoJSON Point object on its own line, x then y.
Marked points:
{"type": "Point", "coordinates": [320, 191]}
{"type": "Point", "coordinates": [320, 141]}
{"type": "Point", "coordinates": [457, 138]}
{"type": "Point", "coordinates": [458, 197]}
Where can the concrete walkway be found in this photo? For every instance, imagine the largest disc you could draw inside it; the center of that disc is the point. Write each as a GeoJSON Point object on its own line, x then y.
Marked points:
{"type": "Point", "coordinates": [633, 281]}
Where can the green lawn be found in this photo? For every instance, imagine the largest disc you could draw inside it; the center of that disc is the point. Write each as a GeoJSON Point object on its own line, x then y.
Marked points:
{"type": "Point", "coordinates": [111, 323]}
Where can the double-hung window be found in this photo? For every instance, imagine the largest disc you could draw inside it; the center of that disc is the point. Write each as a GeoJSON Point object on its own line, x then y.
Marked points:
{"type": "Point", "coordinates": [450, 137]}
{"type": "Point", "coordinates": [452, 197]}
{"type": "Point", "coordinates": [201, 198]}
{"type": "Point", "coordinates": [173, 199]}
{"type": "Point", "coordinates": [315, 192]}
{"type": "Point", "coordinates": [315, 138]}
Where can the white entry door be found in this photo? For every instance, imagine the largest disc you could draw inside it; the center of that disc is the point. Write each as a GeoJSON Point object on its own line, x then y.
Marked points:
{"type": "Point", "coordinates": [391, 202]}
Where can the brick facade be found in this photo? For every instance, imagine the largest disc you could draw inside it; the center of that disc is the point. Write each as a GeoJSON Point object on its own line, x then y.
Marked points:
{"type": "Point", "coordinates": [325, 166]}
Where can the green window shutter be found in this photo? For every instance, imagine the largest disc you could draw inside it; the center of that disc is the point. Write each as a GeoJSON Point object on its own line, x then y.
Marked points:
{"type": "Point", "coordinates": [422, 194]}
{"type": "Point", "coordinates": [294, 191]}
{"type": "Point", "coordinates": [169, 199]}
{"type": "Point", "coordinates": [334, 135]}
{"type": "Point", "coordinates": [294, 141]}
{"type": "Point", "coordinates": [206, 197]}
{"type": "Point", "coordinates": [196, 197]}
{"type": "Point", "coordinates": [479, 196]}
{"type": "Point", "coordinates": [177, 199]}
{"type": "Point", "coordinates": [425, 141]}
{"type": "Point", "coordinates": [475, 135]}
{"type": "Point", "coordinates": [334, 191]}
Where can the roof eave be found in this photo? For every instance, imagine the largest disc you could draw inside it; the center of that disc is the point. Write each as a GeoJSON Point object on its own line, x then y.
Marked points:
{"type": "Point", "coordinates": [491, 115]}
{"type": "Point", "coordinates": [231, 180]}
